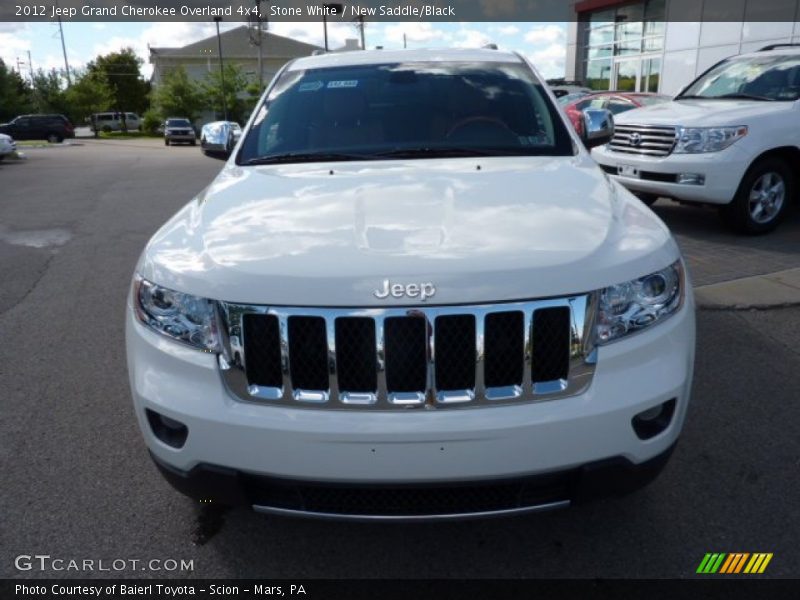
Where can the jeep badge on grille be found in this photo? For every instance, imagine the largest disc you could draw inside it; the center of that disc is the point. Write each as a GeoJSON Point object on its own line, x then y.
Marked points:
{"type": "Point", "coordinates": [423, 291]}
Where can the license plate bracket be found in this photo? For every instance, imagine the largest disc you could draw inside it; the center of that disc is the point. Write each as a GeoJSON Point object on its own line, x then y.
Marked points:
{"type": "Point", "coordinates": [628, 171]}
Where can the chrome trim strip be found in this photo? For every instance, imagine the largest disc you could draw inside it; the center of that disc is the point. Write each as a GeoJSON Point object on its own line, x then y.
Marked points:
{"type": "Point", "coordinates": [330, 333]}
{"type": "Point", "coordinates": [581, 368]}
{"type": "Point", "coordinates": [283, 329]}
{"type": "Point", "coordinates": [506, 512]}
{"type": "Point", "coordinates": [480, 356]}
{"type": "Point", "coordinates": [380, 349]}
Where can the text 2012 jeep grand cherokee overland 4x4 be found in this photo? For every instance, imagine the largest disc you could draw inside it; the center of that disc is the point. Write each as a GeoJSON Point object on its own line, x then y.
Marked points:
{"type": "Point", "coordinates": [410, 293]}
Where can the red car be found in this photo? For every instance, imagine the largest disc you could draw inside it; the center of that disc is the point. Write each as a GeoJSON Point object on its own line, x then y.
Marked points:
{"type": "Point", "coordinates": [616, 102]}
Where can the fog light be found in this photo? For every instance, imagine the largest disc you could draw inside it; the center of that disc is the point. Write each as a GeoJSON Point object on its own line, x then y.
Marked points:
{"type": "Point", "coordinates": [171, 432]}
{"type": "Point", "coordinates": [691, 178]}
{"type": "Point", "coordinates": [649, 423]}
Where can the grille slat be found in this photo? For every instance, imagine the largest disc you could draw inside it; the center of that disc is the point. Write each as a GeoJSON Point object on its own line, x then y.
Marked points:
{"type": "Point", "coordinates": [394, 358]}
{"type": "Point", "coordinates": [653, 140]}
{"type": "Point", "coordinates": [551, 337]}
{"type": "Point", "coordinates": [504, 349]}
{"type": "Point", "coordinates": [355, 354]}
{"type": "Point", "coordinates": [406, 340]}
{"type": "Point", "coordinates": [308, 353]}
{"type": "Point", "coordinates": [455, 352]}
{"type": "Point", "coordinates": [262, 346]}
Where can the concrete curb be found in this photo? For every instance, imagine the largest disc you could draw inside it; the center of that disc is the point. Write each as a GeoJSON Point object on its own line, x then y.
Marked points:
{"type": "Point", "coordinates": [773, 290]}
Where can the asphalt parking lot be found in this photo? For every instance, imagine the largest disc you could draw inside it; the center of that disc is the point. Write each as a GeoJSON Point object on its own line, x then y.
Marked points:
{"type": "Point", "coordinates": [77, 482]}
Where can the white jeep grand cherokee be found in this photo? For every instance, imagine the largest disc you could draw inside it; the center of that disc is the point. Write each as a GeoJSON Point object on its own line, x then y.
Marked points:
{"type": "Point", "coordinates": [731, 139]}
{"type": "Point", "coordinates": [410, 293]}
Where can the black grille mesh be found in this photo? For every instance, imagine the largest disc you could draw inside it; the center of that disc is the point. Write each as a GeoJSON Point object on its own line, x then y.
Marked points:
{"type": "Point", "coordinates": [406, 340]}
{"type": "Point", "coordinates": [551, 337]}
{"type": "Point", "coordinates": [406, 350]}
{"type": "Point", "coordinates": [504, 347]}
{"type": "Point", "coordinates": [262, 348]}
{"type": "Point", "coordinates": [308, 353]}
{"type": "Point", "coordinates": [409, 500]}
{"type": "Point", "coordinates": [455, 352]}
{"type": "Point", "coordinates": [356, 361]}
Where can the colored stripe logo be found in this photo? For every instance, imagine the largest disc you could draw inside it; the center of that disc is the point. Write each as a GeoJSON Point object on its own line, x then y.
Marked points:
{"type": "Point", "coordinates": [734, 563]}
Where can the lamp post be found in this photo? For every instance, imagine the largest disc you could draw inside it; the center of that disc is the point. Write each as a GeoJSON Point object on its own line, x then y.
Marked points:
{"type": "Point", "coordinates": [221, 69]}
{"type": "Point", "coordinates": [335, 7]}
{"type": "Point", "coordinates": [360, 24]}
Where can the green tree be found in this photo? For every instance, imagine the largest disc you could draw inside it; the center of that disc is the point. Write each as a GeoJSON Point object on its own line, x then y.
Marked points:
{"type": "Point", "coordinates": [49, 94]}
{"type": "Point", "coordinates": [15, 94]}
{"type": "Point", "coordinates": [235, 86]}
{"type": "Point", "coordinates": [89, 93]}
{"type": "Point", "coordinates": [122, 72]}
{"type": "Point", "coordinates": [178, 96]}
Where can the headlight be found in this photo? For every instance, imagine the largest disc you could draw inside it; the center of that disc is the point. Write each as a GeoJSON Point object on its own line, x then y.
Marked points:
{"type": "Point", "coordinates": [637, 304]}
{"type": "Point", "coordinates": [183, 317]}
{"type": "Point", "coordinates": [695, 140]}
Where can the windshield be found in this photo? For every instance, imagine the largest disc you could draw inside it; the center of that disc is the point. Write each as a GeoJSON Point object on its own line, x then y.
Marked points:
{"type": "Point", "coordinates": [570, 98]}
{"type": "Point", "coordinates": [178, 123]}
{"type": "Point", "coordinates": [406, 109]}
{"type": "Point", "coordinates": [757, 77]}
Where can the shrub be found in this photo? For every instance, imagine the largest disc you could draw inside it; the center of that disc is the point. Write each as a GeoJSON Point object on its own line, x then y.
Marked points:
{"type": "Point", "coordinates": [150, 121]}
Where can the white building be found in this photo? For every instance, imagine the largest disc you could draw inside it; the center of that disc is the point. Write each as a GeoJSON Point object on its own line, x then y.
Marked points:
{"type": "Point", "coordinates": [641, 45]}
{"type": "Point", "coordinates": [239, 47]}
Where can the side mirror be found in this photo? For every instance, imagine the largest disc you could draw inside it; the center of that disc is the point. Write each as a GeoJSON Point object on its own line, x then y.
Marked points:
{"type": "Point", "coordinates": [598, 127]}
{"type": "Point", "coordinates": [218, 154]}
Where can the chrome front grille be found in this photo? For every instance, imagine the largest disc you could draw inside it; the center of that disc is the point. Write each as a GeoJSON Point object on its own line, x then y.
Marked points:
{"type": "Point", "coordinates": [651, 140]}
{"type": "Point", "coordinates": [398, 358]}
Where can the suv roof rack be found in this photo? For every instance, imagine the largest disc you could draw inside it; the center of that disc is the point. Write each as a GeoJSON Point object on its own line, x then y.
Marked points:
{"type": "Point", "coordinates": [776, 46]}
{"type": "Point", "coordinates": [491, 46]}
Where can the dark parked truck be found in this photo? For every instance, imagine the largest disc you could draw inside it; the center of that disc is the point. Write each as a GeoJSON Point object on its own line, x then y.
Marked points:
{"type": "Point", "coordinates": [53, 128]}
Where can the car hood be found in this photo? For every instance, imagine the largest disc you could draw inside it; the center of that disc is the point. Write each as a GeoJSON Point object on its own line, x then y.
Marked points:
{"type": "Point", "coordinates": [701, 113]}
{"type": "Point", "coordinates": [483, 230]}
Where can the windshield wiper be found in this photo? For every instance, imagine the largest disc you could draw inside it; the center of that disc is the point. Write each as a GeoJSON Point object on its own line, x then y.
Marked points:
{"type": "Point", "coordinates": [727, 97]}
{"type": "Point", "coordinates": [746, 97]}
{"type": "Point", "coordinates": [446, 152]}
{"type": "Point", "coordinates": [298, 157]}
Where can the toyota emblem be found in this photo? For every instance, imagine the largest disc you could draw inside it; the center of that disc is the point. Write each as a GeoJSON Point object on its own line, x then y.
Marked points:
{"type": "Point", "coordinates": [635, 139]}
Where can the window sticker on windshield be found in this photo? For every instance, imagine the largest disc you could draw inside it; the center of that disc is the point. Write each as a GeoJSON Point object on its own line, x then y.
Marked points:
{"type": "Point", "coordinates": [346, 83]}
{"type": "Point", "coordinates": [311, 86]}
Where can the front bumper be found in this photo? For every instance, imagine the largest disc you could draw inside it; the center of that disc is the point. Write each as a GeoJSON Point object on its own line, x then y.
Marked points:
{"type": "Point", "coordinates": [418, 447]}
{"type": "Point", "coordinates": [211, 484]}
{"type": "Point", "coordinates": [181, 137]}
{"type": "Point", "coordinates": [722, 172]}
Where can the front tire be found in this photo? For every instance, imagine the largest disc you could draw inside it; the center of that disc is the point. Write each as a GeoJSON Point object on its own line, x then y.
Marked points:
{"type": "Point", "coordinates": [762, 199]}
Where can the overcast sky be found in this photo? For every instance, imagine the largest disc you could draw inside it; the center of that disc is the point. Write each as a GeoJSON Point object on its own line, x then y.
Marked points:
{"type": "Point", "coordinates": [543, 43]}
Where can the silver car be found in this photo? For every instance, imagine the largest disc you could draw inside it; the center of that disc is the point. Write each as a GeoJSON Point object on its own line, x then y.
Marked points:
{"type": "Point", "coordinates": [179, 130]}
{"type": "Point", "coordinates": [7, 146]}
{"type": "Point", "coordinates": [219, 137]}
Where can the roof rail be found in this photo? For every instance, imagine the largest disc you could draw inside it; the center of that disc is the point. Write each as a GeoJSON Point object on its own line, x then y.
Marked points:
{"type": "Point", "coordinates": [776, 46]}
{"type": "Point", "coordinates": [318, 51]}
{"type": "Point", "coordinates": [490, 46]}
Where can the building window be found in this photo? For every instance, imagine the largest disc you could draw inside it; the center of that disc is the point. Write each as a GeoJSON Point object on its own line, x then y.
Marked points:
{"type": "Point", "coordinates": [621, 46]}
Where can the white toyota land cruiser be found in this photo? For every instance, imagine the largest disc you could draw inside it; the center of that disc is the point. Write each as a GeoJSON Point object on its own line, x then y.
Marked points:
{"type": "Point", "coordinates": [731, 138]}
{"type": "Point", "coordinates": [410, 293]}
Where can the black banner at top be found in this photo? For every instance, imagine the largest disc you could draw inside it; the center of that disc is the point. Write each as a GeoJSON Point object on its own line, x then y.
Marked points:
{"type": "Point", "coordinates": [389, 10]}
